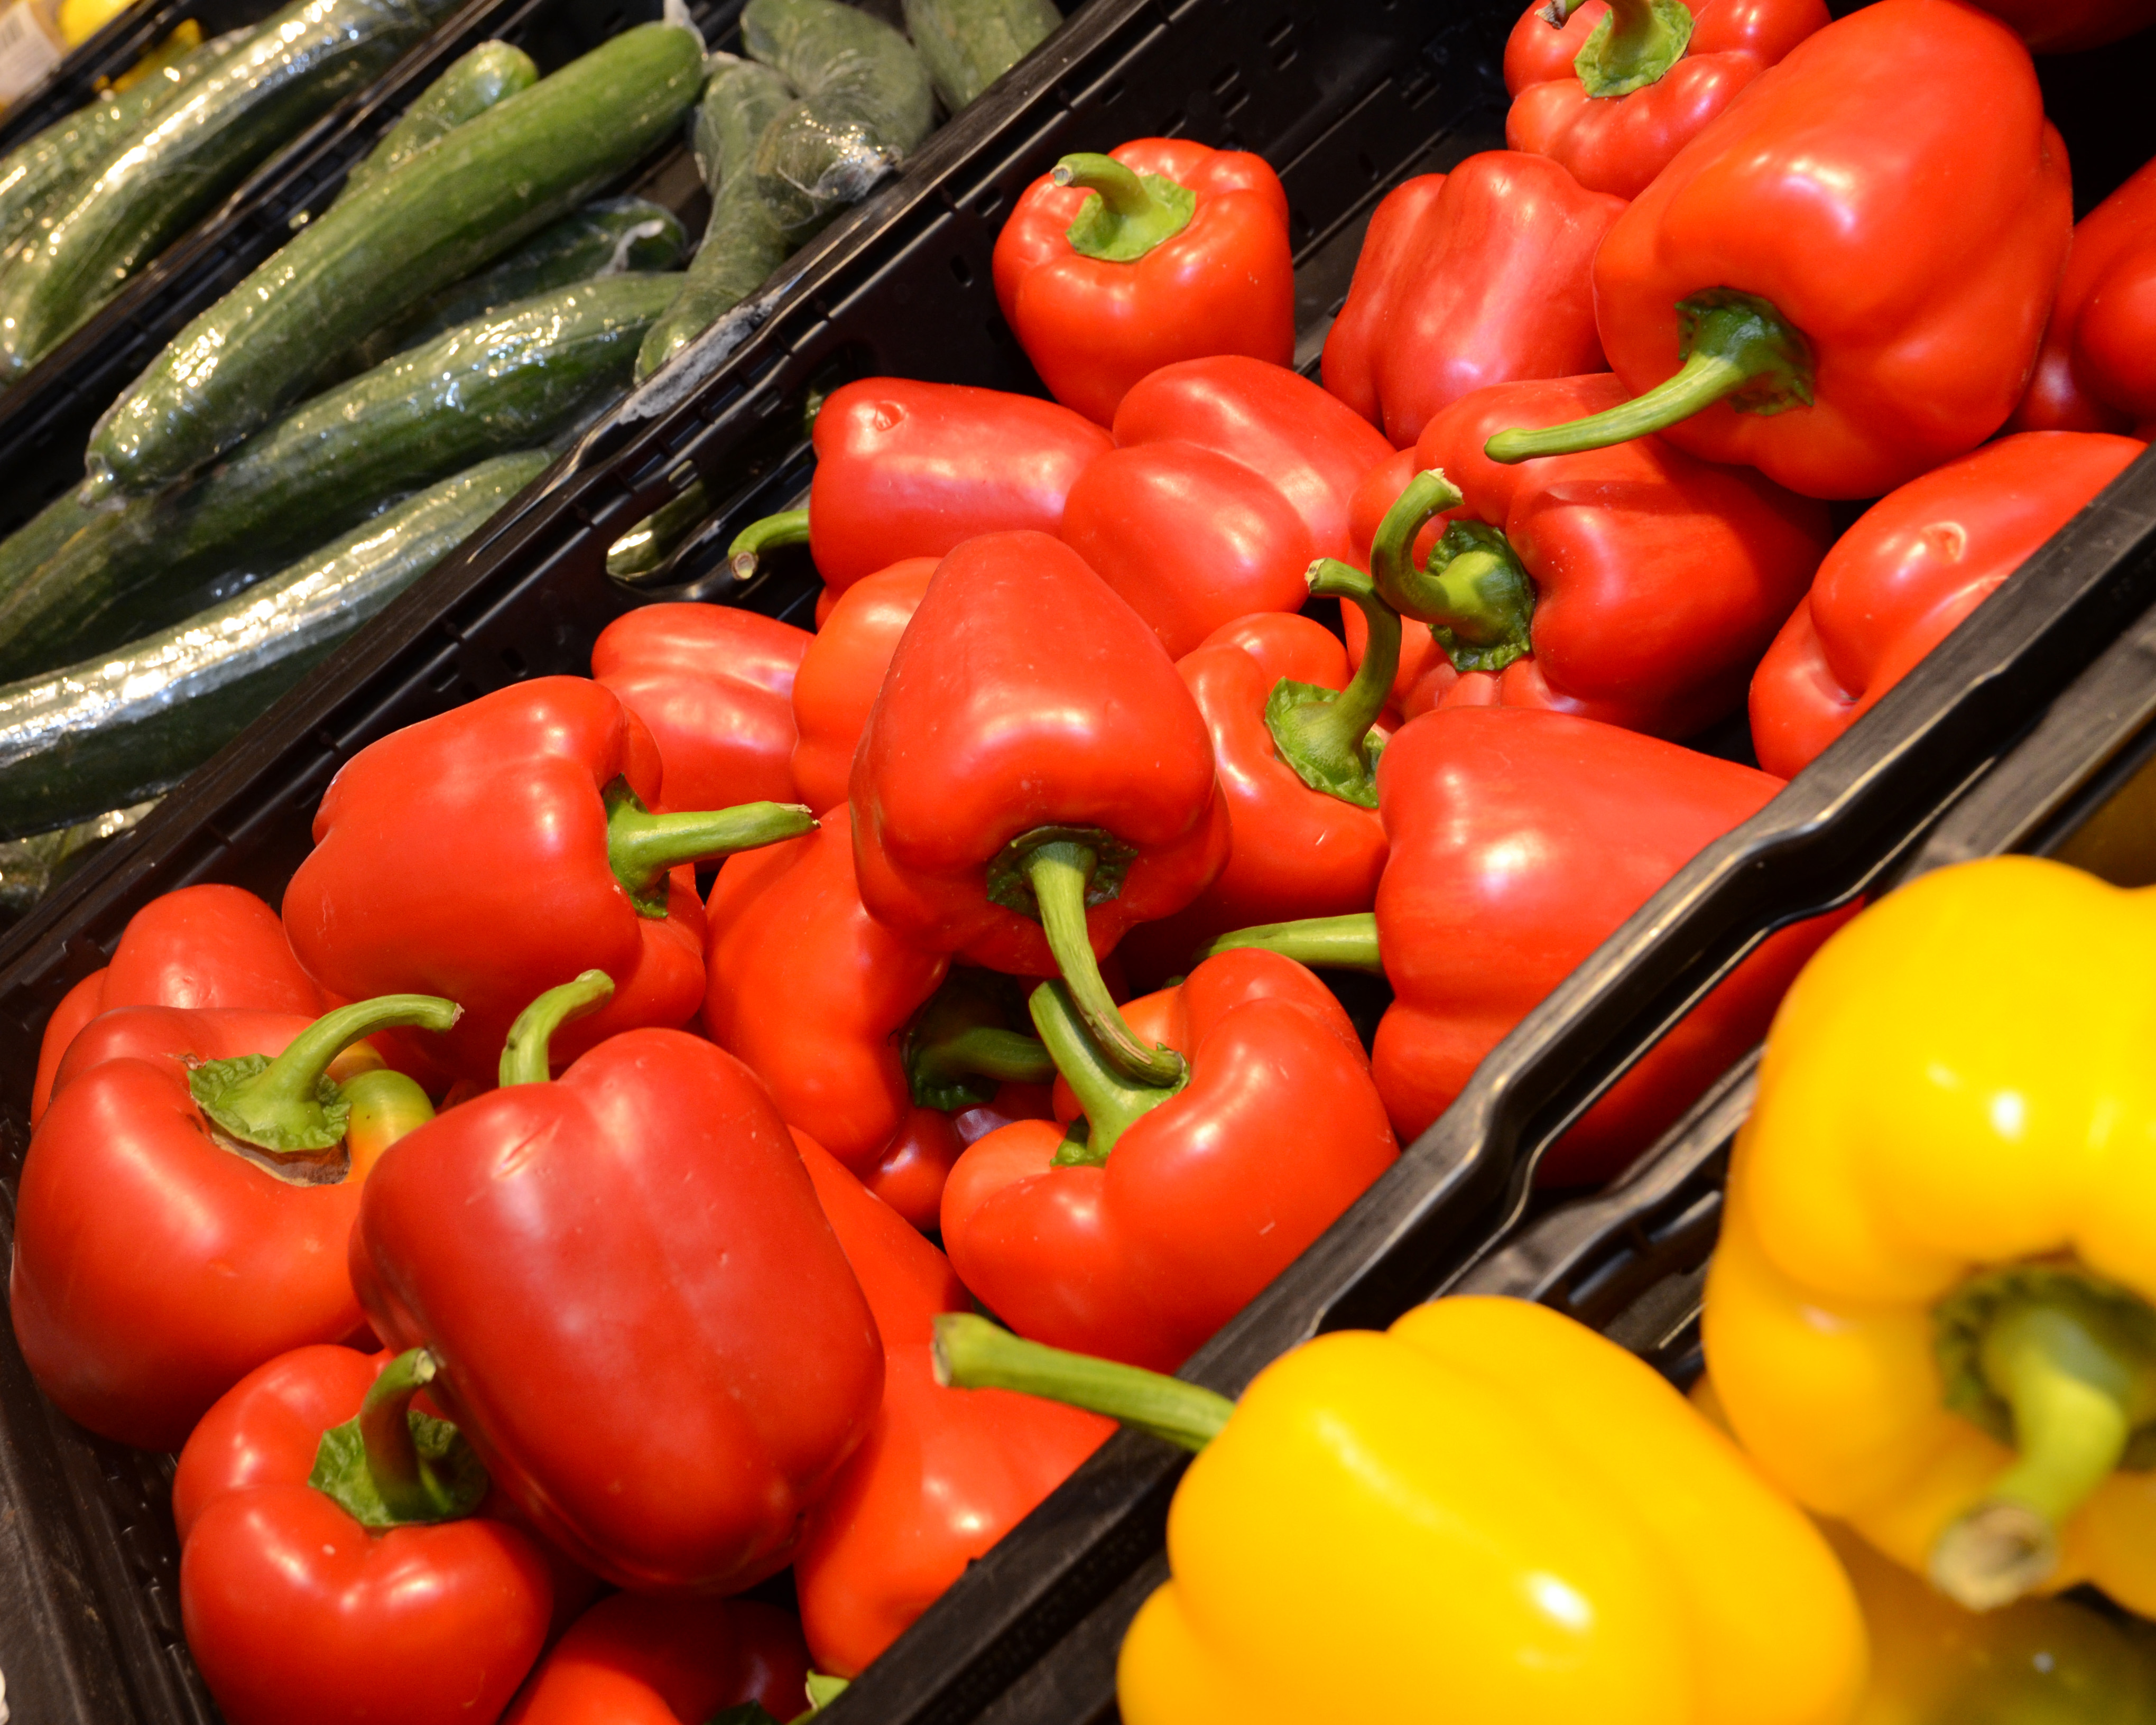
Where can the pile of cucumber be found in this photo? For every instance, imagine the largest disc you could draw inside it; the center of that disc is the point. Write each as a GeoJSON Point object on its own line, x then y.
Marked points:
{"type": "Point", "coordinates": [416, 355]}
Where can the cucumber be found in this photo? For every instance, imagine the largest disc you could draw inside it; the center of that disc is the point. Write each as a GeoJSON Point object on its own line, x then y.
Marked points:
{"type": "Point", "coordinates": [489, 74]}
{"type": "Point", "coordinates": [742, 243]}
{"type": "Point", "coordinates": [600, 239]}
{"type": "Point", "coordinates": [968, 44]}
{"type": "Point", "coordinates": [506, 382]}
{"type": "Point", "coordinates": [460, 202]}
{"type": "Point", "coordinates": [107, 732]}
{"type": "Point", "coordinates": [303, 61]}
{"type": "Point", "coordinates": [865, 102]}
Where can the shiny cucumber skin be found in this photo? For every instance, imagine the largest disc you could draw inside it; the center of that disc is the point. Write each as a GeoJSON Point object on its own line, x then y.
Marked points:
{"type": "Point", "coordinates": [509, 381]}
{"type": "Point", "coordinates": [108, 732]}
{"type": "Point", "coordinates": [456, 205]}
{"type": "Point", "coordinates": [968, 44]}
{"type": "Point", "coordinates": [490, 73]}
{"type": "Point", "coordinates": [302, 62]}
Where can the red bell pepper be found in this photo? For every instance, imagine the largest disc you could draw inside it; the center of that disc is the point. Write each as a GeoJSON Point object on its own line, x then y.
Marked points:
{"type": "Point", "coordinates": [1482, 275]}
{"type": "Point", "coordinates": [1916, 564]}
{"type": "Point", "coordinates": [943, 1475]}
{"type": "Point", "coordinates": [1613, 91]}
{"type": "Point", "coordinates": [502, 848]}
{"type": "Point", "coordinates": [332, 1568]}
{"type": "Point", "coordinates": [911, 470]}
{"type": "Point", "coordinates": [639, 1238]}
{"type": "Point", "coordinates": [2092, 372]}
{"type": "Point", "coordinates": [714, 684]}
{"type": "Point", "coordinates": [832, 1011]}
{"type": "Point", "coordinates": [1843, 280]}
{"type": "Point", "coordinates": [630, 1661]}
{"type": "Point", "coordinates": [1034, 778]}
{"type": "Point", "coordinates": [186, 1201]}
{"type": "Point", "coordinates": [843, 669]}
{"type": "Point", "coordinates": [200, 946]}
{"type": "Point", "coordinates": [1113, 266]}
{"type": "Point", "coordinates": [2069, 26]}
{"type": "Point", "coordinates": [1139, 1236]}
{"type": "Point", "coordinates": [1229, 479]}
{"type": "Point", "coordinates": [1520, 841]}
{"type": "Point", "coordinates": [1636, 584]}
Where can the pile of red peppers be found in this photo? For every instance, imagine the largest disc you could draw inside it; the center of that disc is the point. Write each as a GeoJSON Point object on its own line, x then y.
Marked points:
{"type": "Point", "coordinates": [529, 1235]}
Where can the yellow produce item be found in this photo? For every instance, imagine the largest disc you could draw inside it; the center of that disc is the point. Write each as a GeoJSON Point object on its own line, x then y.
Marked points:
{"type": "Point", "coordinates": [1929, 1314]}
{"type": "Point", "coordinates": [186, 37]}
{"type": "Point", "coordinates": [1487, 1515]}
{"type": "Point", "coordinates": [81, 20]}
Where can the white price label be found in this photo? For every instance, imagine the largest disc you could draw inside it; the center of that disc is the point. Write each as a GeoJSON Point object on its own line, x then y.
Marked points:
{"type": "Point", "coordinates": [28, 56]}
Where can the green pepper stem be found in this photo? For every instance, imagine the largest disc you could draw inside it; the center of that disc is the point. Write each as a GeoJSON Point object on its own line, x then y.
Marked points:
{"type": "Point", "coordinates": [642, 847]}
{"type": "Point", "coordinates": [1348, 942]}
{"type": "Point", "coordinates": [645, 546]}
{"type": "Point", "coordinates": [1734, 347]}
{"type": "Point", "coordinates": [1634, 45]}
{"type": "Point", "coordinates": [1129, 213]}
{"type": "Point", "coordinates": [971, 1353]}
{"type": "Point", "coordinates": [984, 1051]}
{"type": "Point", "coordinates": [409, 1486]}
{"type": "Point", "coordinates": [524, 1056]}
{"type": "Point", "coordinates": [1397, 577]}
{"type": "Point", "coordinates": [788, 526]}
{"type": "Point", "coordinates": [1059, 873]}
{"type": "Point", "coordinates": [288, 1104]}
{"type": "Point", "coordinates": [386, 1106]}
{"type": "Point", "coordinates": [1325, 736]}
{"type": "Point", "coordinates": [1110, 1103]}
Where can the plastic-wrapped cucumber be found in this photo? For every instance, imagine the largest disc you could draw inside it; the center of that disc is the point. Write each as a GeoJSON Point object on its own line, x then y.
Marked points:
{"type": "Point", "coordinates": [608, 238]}
{"type": "Point", "coordinates": [191, 152]}
{"type": "Point", "coordinates": [865, 102]}
{"type": "Point", "coordinates": [510, 380]}
{"type": "Point", "coordinates": [475, 194]}
{"type": "Point", "coordinates": [742, 244]}
{"type": "Point", "coordinates": [968, 44]}
{"type": "Point", "coordinates": [490, 73]}
{"type": "Point", "coordinates": [110, 731]}
{"type": "Point", "coordinates": [31, 868]}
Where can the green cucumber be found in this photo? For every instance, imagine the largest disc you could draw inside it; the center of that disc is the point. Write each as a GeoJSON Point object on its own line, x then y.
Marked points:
{"type": "Point", "coordinates": [600, 239]}
{"type": "Point", "coordinates": [461, 202]}
{"type": "Point", "coordinates": [742, 243]}
{"type": "Point", "coordinates": [508, 381]}
{"type": "Point", "coordinates": [302, 62]}
{"type": "Point", "coordinates": [968, 44]}
{"type": "Point", "coordinates": [867, 101]}
{"type": "Point", "coordinates": [489, 74]}
{"type": "Point", "coordinates": [110, 731]}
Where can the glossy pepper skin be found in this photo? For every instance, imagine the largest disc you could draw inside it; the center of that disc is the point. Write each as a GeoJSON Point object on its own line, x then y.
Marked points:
{"type": "Point", "coordinates": [2069, 26]}
{"type": "Point", "coordinates": [714, 684]}
{"type": "Point", "coordinates": [1229, 477]}
{"type": "Point", "coordinates": [1113, 266]}
{"type": "Point", "coordinates": [2092, 373]}
{"type": "Point", "coordinates": [943, 1475]}
{"type": "Point", "coordinates": [630, 1661]}
{"type": "Point", "coordinates": [1659, 72]}
{"type": "Point", "coordinates": [842, 670]}
{"type": "Point", "coordinates": [1655, 580]}
{"type": "Point", "coordinates": [1897, 582]}
{"type": "Point", "coordinates": [1929, 1315]}
{"type": "Point", "coordinates": [473, 854]}
{"type": "Point", "coordinates": [639, 1235]}
{"type": "Point", "coordinates": [905, 469]}
{"type": "Point", "coordinates": [1478, 276]}
{"type": "Point", "coordinates": [200, 946]}
{"type": "Point", "coordinates": [159, 1256]}
{"type": "Point", "coordinates": [1472, 940]}
{"type": "Point", "coordinates": [297, 1612]}
{"type": "Point", "coordinates": [1853, 264]}
{"type": "Point", "coordinates": [1139, 1245]}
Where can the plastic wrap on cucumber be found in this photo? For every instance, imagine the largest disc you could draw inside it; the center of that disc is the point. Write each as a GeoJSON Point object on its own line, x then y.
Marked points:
{"type": "Point", "coordinates": [31, 868]}
{"type": "Point", "coordinates": [112, 731]}
{"type": "Point", "coordinates": [476, 194]}
{"type": "Point", "coordinates": [489, 74]}
{"type": "Point", "coordinates": [190, 152]}
{"type": "Point", "coordinates": [968, 44]}
{"type": "Point", "coordinates": [647, 545]}
{"type": "Point", "coordinates": [512, 380]}
{"type": "Point", "coordinates": [865, 102]}
{"type": "Point", "coordinates": [742, 244]}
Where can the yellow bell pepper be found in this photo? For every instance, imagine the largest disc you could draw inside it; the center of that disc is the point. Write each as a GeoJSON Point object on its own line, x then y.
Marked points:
{"type": "Point", "coordinates": [1487, 1515]}
{"type": "Point", "coordinates": [1930, 1312]}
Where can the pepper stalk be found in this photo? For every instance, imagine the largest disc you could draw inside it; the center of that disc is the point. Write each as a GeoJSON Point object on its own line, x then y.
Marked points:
{"type": "Point", "coordinates": [392, 1467]}
{"type": "Point", "coordinates": [969, 1352]}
